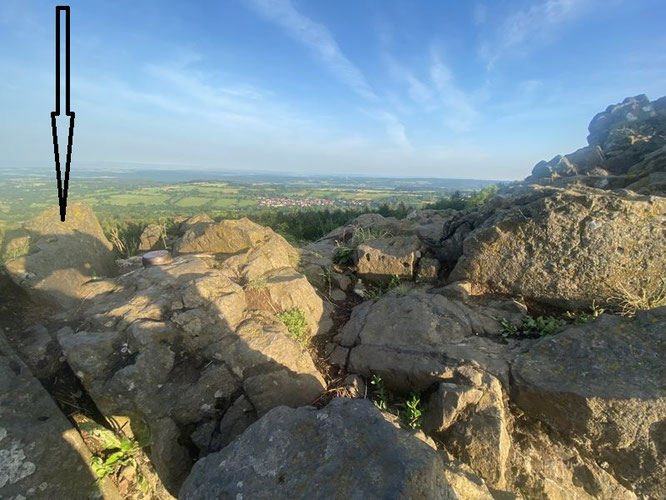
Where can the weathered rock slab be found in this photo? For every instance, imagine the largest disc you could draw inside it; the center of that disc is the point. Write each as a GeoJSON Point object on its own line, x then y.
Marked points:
{"type": "Point", "coordinates": [603, 385]}
{"type": "Point", "coordinates": [415, 340]}
{"type": "Point", "coordinates": [563, 247]}
{"type": "Point", "coordinates": [345, 450]}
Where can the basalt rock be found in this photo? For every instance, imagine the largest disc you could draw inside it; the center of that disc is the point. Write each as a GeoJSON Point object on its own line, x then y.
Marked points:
{"type": "Point", "coordinates": [345, 450]}
{"type": "Point", "coordinates": [602, 385]}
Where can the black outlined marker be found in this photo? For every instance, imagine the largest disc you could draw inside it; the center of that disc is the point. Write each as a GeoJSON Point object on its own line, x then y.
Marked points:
{"type": "Point", "coordinates": [62, 187]}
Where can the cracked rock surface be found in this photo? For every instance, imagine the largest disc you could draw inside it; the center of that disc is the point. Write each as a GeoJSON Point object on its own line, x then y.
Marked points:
{"type": "Point", "coordinates": [187, 349]}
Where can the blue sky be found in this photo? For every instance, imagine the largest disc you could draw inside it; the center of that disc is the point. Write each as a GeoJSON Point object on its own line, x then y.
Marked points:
{"type": "Point", "coordinates": [469, 89]}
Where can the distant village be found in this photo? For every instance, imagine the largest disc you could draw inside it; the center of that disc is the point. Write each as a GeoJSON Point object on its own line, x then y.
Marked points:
{"type": "Point", "coordinates": [265, 201]}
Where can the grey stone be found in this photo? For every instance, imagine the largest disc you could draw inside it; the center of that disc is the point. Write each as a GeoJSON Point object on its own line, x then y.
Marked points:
{"type": "Point", "coordinates": [41, 454]}
{"type": "Point", "coordinates": [603, 385]}
{"type": "Point", "coordinates": [345, 450]}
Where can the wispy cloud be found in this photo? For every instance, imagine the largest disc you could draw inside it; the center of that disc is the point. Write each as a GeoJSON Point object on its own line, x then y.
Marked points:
{"type": "Point", "coordinates": [394, 128]}
{"type": "Point", "coordinates": [419, 91]}
{"type": "Point", "coordinates": [318, 39]}
{"type": "Point", "coordinates": [437, 92]}
{"type": "Point", "coordinates": [522, 29]}
{"type": "Point", "coordinates": [460, 112]}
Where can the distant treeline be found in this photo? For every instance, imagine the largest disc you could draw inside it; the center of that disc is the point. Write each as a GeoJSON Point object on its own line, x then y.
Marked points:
{"type": "Point", "coordinates": [297, 225]}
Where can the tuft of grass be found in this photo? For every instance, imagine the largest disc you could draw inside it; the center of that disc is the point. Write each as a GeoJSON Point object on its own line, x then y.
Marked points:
{"type": "Point", "coordinates": [327, 276]}
{"type": "Point", "coordinates": [125, 245]}
{"type": "Point", "coordinates": [363, 234]}
{"type": "Point", "coordinates": [652, 294]}
{"type": "Point", "coordinates": [297, 324]}
{"type": "Point", "coordinates": [377, 290]}
{"type": "Point", "coordinates": [532, 327]}
{"type": "Point", "coordinates": [256, 284]}
{"type": "Point", "coordinates": [344, 255]}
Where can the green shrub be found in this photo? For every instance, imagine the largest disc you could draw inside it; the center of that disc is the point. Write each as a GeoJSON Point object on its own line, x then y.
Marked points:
{"type": "Point", "coordinates": [532, 327]}
{"type": "Point", "coordinates": [297, 324]}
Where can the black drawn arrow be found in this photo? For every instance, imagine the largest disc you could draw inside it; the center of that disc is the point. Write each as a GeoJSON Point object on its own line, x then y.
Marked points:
{"type": "Point", "coordinates": [62, 187]}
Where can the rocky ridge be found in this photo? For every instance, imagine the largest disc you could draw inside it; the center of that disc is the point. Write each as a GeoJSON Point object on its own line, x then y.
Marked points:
{"type": "Point", "coordinates": [238, 406]}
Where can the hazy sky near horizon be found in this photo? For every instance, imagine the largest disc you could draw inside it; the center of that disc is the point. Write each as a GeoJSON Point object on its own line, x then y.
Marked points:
{"type": "Point", "coordinates": [473, 89]}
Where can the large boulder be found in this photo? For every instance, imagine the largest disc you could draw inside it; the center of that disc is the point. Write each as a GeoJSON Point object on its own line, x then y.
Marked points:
{"type": "Point", "coordinates": [345, 450]}
{"type": "Point", "coordinates": [414, 341]}
{"type": "Point", "coordinates": [41, 454]}
{"type": "Point", "coordinates": [602, 385]}
{"type": "Point", "coordinates": [62, 256]}
{"type": "Point", "coordinates": [563, 247]}
{"type": "Point", "coordinates": [228, 237]}
{"type": "Point", "coordinates": [194, 350]}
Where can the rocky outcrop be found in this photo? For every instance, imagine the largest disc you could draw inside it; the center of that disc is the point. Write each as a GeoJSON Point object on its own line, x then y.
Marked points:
{"type": "Point", "coordinates": [194, 349]}
{"type": "Point", "coordinates": [61, 256]}
{"type": "Point", "coordinates": [603, 386]}
{"type": "Point", "coordinates": [414, 341]}
{"type": "Point", "coordinates": [41, 454]}
{"type": "Point", "coordinates": [228, 237]}
{"type": "Point", "coordinates": [564, 247]}
{"type": "Point", "coordinates": [620, 138]}
{"type": "Point", "coordinates": [380, 249]}
{"type": "Point", "coordinates": [152, 238]}
{"type": "Point", "coordinates": [345, 450]}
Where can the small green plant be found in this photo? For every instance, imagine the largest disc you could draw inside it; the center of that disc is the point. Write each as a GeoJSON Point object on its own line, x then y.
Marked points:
{"type": "Point", "coordinates": [532, 327]}
{"type": "Point", "coordinates": [116, 452]}
{"type": "Point", "coordinates": [411, 415]}
{"type": "Point", "coordinates": [377, 290]}
{"type": "Point", "coordinates": [381, 398]}
{"type": "Point", "coordinates": [297, 324]}
{"type": "Point", "coordinates": [579, 318]}
{"type": "Point", "coordinates": [327, 275]}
